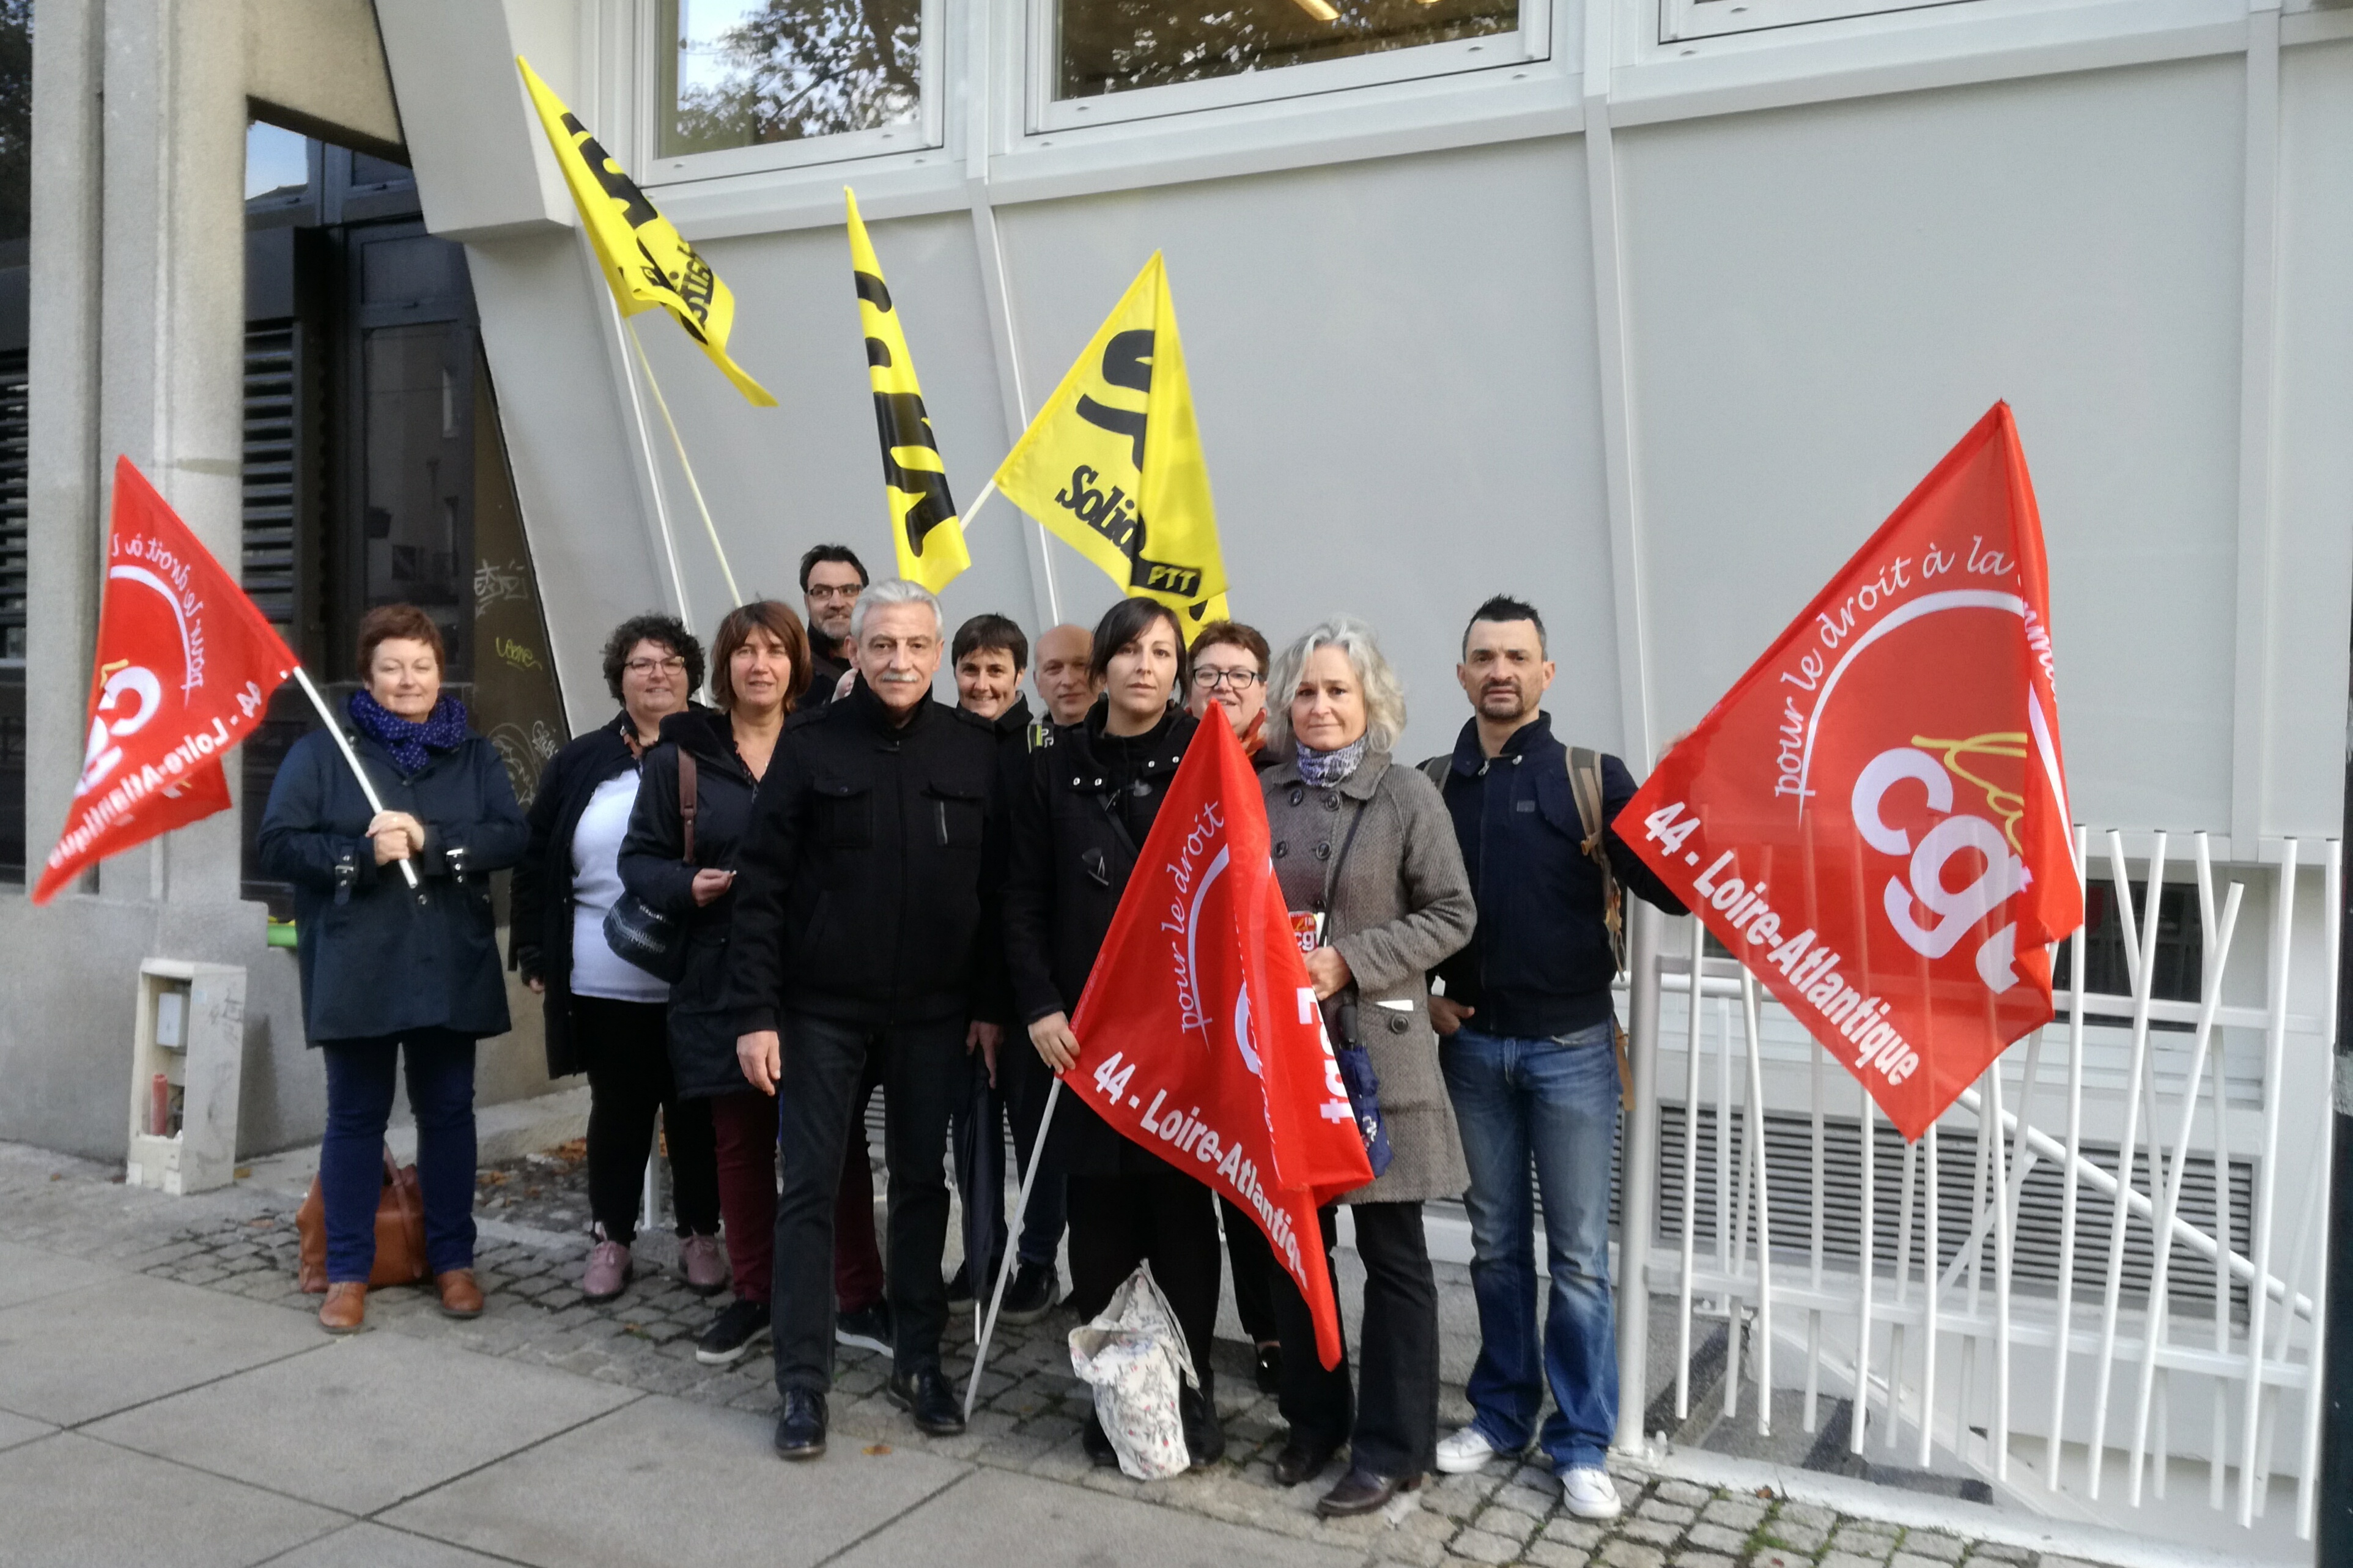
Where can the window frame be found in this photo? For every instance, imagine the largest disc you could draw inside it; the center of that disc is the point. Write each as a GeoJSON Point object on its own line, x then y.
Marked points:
{"type": "Point", "coordinates": [1687, 21]}
{"type": "Point", "coordinates": [1531, 43]}
{"type": "Point", "coordinates": [927, 133]}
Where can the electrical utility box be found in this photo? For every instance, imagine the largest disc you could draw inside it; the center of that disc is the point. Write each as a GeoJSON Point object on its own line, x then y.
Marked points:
{"type": "Point", "coordinates": [188, 1062]}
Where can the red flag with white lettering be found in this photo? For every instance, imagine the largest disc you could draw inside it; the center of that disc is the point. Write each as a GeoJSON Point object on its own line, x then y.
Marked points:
{"type": "Point", "coordinates": [1874, 819]}
{"type": "Point", "coordinates": [1199, 1037]}
{"type": "Point", "coordinates": [185, 666]}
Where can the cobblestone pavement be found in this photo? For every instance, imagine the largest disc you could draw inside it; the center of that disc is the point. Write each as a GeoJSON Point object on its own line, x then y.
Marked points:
{"type": "Point", "coordinates": [242, 1241]}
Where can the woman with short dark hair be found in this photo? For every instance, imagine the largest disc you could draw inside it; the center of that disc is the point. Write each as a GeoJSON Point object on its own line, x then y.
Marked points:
{"type": "Point", "coordinates": [760, 668]}
{"type": "Point", "coordinates": [391, 978]}
{"type": "Point", "coordinates": [605, 1016]}
{"type": "Point", "coordinates": [1079, 816]}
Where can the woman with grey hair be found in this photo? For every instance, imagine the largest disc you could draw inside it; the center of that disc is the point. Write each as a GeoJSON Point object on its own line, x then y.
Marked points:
{"type": "Point", "coordinates": [1367, 861]}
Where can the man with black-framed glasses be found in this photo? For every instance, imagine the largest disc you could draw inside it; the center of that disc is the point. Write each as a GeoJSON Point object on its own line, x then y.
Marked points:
{"type": "Point", "coordinates": [832, 577]}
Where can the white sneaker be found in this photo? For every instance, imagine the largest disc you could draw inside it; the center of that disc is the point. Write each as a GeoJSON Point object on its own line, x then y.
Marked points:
{"type": "Point", "coordinates": [1464, 1452]}
{"type": "Point", "coordinates": [1587, 1489]}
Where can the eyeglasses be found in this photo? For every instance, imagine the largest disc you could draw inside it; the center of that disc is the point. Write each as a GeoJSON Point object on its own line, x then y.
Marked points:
{"type": "Point", "coordinates": [847, 590]}
{"type": "Point", "coordinates": [671, 665]}
{"type": "Point", "coordinates": [1241, 680]}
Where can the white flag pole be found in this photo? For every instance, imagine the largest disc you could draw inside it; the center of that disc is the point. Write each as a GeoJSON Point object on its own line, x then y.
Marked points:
{"type": "Point", "coordinates": [978, 501]}
{"type": "Point", "coordinates": [344, 745]}
{"type": "Point", "coordinates": [734, 595]}
{"type": "Point", "coordinates": [1012, 1234]}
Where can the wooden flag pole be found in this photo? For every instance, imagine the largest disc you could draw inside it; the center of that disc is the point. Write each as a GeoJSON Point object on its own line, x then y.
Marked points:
{"type": "Point", "coordinates": [734, 595]}
{"type": "Point", "coordinates": [367, 788]}
{"type": "Point", "coordinates": [1012, 1246]}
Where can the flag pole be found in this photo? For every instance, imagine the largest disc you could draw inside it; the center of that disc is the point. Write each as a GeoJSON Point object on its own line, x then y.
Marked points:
{"type": "Point", "coordinates": [734, 596]}
{"type": "Point", "coordinates": [344, 745]}
{"type": "Point", "coordinates": [1012, 1234]}
{"type": "Point", "coordinates": [978, 501]}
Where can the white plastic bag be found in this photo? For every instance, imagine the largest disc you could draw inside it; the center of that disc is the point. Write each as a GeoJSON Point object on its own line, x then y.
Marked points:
{"type": "Point", "coordinates": [1133, 1356]}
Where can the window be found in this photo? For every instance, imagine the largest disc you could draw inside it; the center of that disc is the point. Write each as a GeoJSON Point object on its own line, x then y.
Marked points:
{"type": "Point", "coordinates": [738, 75]}
{"type": "Point", "coordinates": [1681, 20]}
{"type": "Point", "coordinates": [1122, 59]}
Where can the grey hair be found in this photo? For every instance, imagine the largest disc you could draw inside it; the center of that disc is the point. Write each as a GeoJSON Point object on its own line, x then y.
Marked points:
{"type": "Point", "coordinates": [1384, 692]}
{"type": "Point", "coordinates": [889, 592]}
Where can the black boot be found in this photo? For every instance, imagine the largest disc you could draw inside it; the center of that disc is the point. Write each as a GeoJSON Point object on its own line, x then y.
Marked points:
{"type": "Point", "coordinates": [930, 1398]}
{"type": "Point", "coordinates": [1204, 1437]}
{"type": "Point", "coordinates": [801, 1427]}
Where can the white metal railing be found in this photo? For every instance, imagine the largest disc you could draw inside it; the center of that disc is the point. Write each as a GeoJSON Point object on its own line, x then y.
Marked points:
{"type": "Point", "coordinates": [1951, 1350]}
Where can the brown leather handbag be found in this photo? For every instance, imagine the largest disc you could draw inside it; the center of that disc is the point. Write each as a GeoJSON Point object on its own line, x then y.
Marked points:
{"type": "Point", "coordinates": [399, 1231]}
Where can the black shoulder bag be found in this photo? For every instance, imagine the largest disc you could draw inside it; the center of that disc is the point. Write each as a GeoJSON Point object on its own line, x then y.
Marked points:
{"type": "Point", "coordinates": [635, 929]}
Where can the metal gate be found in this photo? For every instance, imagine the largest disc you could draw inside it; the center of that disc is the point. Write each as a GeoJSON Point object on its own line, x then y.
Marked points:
{"type": "Point", "coordinates": [1982, 1298]}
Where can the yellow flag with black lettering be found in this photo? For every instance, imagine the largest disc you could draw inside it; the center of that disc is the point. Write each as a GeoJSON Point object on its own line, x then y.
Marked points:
{"type": "Point", "coordinates": [924, 526]}
{"type": "Point", "coordinates": [645, 259]}
{"type": "Point", "coordinates": [1112, 462]}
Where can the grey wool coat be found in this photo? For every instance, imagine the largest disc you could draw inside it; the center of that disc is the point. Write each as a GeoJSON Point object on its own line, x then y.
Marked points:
{"type": "Point", "coordinates": [1401, 902]}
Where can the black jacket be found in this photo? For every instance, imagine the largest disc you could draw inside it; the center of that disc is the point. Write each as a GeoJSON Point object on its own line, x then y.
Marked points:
{"type": "Point", "coordinates": [374, 961]}
{"type": "Point", "coordinates": [701, 1028]}
{"type": "Point", "coordinates": [539, 942]}
{"type": "Point", "coordinates": [874, 850]}
{"type": "Point", "coordinates": [825, 669]}
{"type": "Point", "coordinates": [1539, 963]}
{"type": "Point", "coordinates": [1076, 829]}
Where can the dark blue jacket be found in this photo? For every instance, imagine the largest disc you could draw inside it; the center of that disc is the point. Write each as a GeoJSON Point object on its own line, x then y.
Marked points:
{"type": "Point", "coordinates": [375, 960]}
{"type": "Point", "coordinates": [1540, 964]}
{"type": "Point", "coordinates": [539, 899]}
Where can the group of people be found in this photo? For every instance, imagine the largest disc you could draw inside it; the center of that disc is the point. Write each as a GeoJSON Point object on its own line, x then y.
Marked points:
{"type": "Point", "coordinates": [866, 888]}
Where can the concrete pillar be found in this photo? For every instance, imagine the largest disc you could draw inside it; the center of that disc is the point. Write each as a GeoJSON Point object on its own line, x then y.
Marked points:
{"type": "Point", "coordinates": [172, 333]}
{"type": "Point", "coordinates": [63, 544]}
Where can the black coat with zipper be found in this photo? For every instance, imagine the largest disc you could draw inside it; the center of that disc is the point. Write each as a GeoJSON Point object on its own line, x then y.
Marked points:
{"type": "Point", "coordinates": [1076, 831]}
{"type": "Point", "coordinates": [702, 1029]}
{"type": "Point", "coordinates": [873, 854]}
{"type": "Point", "coordinates": [374, 958]}
{"type": "Point", "coordinates": [539, 940]}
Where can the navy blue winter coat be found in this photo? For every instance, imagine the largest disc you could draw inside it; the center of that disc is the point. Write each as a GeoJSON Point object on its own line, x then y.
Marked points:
{"type": "Point", "coordinates": [374, 961]}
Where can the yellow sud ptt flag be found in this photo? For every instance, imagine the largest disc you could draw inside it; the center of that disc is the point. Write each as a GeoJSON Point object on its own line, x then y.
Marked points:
{"type": "Point", "coordinates": [645, 259]}
{"type": "Point", "coordinates": [924, 526]}
{"type": "Point", "coordinates": [1112, 462]}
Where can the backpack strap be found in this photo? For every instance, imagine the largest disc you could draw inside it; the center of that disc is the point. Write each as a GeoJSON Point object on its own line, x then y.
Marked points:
{"type": "Point", "coordinates": [1436, 768]}
{"type": "Point", "coordinates": [1585, 783]}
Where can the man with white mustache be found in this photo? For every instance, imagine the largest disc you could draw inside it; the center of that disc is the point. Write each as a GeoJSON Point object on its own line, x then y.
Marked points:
{"type": "Point", "coordinates": [860, 936]}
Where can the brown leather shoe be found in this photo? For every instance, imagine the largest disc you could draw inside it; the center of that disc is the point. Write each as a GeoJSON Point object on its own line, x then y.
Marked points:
{"type": "Point", "coordinates": [345, 1310]}
{"type": "Point", "coordinates": [460, 1296]}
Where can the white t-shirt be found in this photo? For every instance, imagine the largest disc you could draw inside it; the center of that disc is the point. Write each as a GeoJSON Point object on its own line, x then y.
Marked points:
{"type": "Point", "coordinates": [596, 886]}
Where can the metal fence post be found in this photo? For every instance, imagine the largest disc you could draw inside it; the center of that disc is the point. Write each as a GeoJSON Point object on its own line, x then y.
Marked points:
{"type": "Point", "coordinates": [1639, 1210]}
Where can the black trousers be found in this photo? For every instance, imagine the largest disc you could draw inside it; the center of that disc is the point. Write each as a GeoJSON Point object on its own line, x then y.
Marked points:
{"type": "Point", "coordinates": [921, 1070]}
{"type": "Point", "coordinates": [1160, 1217]}
{"type": "Point", "coordinates": [1392, 1429]}
{"type": "Point", "coordinates": [627, 1048]}
{"type": "Point", "coordinates": [1254, 1269]}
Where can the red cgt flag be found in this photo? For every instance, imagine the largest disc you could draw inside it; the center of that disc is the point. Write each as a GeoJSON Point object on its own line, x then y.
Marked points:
{"type": "Point", "coordinates": [185, 666]}
{"type": "Point", "coordinates": [1874, 819]}
{"type": "Point", "coordinates": [1199, 1034]}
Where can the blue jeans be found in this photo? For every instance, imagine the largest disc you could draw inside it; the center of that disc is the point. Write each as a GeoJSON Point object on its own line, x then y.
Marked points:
{"type": "Point", "coordinates": [1552, 1104]}
{"type": "Point", "coordinates": [350, 1157]}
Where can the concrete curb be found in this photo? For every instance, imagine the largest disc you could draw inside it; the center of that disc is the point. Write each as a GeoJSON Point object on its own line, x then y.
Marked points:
{"type": "Point", "coordinates": [1920, 1511]}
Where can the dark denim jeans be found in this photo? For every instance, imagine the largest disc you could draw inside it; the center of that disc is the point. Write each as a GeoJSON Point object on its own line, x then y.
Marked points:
{"type": "Point", "coordinates": [1552, 1104]}
{"type": "Point", "coordinates": [351, 1159]}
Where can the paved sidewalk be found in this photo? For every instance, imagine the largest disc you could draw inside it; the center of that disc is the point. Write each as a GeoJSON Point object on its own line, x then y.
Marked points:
{"type": "Point", "coordinates": [166, 1396]}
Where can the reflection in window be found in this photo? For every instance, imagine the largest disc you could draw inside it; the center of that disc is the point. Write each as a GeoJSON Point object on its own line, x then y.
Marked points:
{"type": "Point", "coordinates": [277, 162]}
{"type": "Point", "coordinates": [740, 73]}
{"type": "Point", "coordinates": [1111, 46]}
{"type": "Point", "coordinates": [420, 475]}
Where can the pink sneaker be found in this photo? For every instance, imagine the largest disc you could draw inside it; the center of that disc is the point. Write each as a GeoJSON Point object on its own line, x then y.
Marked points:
{"type": "Point", "coordinates": [704, 1265]}
{"type": "Point", "coordinates": [609, 1269]}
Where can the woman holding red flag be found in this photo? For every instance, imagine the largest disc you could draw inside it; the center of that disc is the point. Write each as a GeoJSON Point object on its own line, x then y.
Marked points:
{"type": "Point", "coordinates": [388, 977]}
{"type": "Point", "coordinates": [1367, 861]}
{"type": "Point", "coordinates": [1079, 818]}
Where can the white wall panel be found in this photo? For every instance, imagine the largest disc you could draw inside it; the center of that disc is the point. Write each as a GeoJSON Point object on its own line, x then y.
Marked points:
{"type": "Point", "coordinates": [1393, 365]}
{"type": "Point", "coordinates": [1825, 299]}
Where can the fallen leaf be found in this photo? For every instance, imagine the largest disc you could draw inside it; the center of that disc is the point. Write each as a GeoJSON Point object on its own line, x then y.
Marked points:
{"type": "Point", "coordinates": [878, 1447]}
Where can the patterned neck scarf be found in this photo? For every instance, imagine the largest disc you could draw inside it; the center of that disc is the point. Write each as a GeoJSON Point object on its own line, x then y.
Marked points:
{"type": "Point", "coordinates": [1322, 769]}
{"type": "Point", "coordinates": [444, 729]}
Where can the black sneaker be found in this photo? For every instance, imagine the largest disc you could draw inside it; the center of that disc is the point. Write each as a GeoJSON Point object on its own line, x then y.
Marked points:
{"type": "Point", "coordinates": [930, 1398]}
{"type": "Point", "coordinates": [960, 1285]}
{"type": "Point", "coordinates": [743, 1325]}
{"type": "Point", "coordinates": [1030, 1296]}
{"type": "Point", "coordinates": [868, 1328]}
